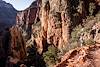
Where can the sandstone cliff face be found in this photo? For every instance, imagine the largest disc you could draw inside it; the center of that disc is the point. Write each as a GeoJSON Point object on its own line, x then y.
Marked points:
{"type": "Point", "coordinates": [12, 47]}
{"type": "Point", "coordinates": [57, 18]}
{"type": "Point", "coordinates": [17, 44]}
{"type": "Point", "coordinates": [25, 19]}
{"type": "Point", "coordinates": [64, 16]}
{"type": "Point", "coordinates": [52, 21]}
{"type": "Point", "coordinates": [55, 23]}
{"type": "Point", "coordinates": [27, 22]}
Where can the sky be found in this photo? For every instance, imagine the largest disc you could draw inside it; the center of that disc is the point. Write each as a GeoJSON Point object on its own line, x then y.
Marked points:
{"type": "Point", "coordinates": [20, 4]}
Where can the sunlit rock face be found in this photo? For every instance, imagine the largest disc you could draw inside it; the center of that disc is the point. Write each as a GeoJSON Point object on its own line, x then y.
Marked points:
{"type": "Point", "coordinates": [7, 15]}
{"type": "Point", "coordinates": [26, 18]}
{"type": "Point", "coordinates": [54, 22]}
{"type": "Point", "coordinates": [81, 57]}
{"type": "Point", "coordinates": [58, 17]}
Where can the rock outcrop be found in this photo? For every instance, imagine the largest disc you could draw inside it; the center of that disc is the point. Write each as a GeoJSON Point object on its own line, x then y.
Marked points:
{"type": "Point", "coordinates": [17, 44]}
{"type": "Point", "coordinates": [12, 47]}
{"type": "Point", "coordinates": [55, 24]}
{"type": "Point", "coordinates": [81, 57]}
{"type": "Point", "coordinates": [25, 19]}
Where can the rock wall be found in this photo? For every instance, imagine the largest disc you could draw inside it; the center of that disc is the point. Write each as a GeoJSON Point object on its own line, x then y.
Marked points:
{"type": "Point", "coordinates": [25, 19]}
{"type": "Point", "coordinates": [51, 22]}
{"type": "Point", "coordinates": [55, 22]}
{"type": "Point", "coordinates": [58, 17]}
{"type": "Point", "coordinates": [12, 47]}
{"type": "Point", "coordinates": [17, 44]}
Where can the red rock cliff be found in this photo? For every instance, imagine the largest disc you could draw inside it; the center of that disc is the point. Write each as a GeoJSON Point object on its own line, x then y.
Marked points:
{"type": "Point", "coordinates": [55, 19]}
{"type": "Point", "coordinates": [26, 18]}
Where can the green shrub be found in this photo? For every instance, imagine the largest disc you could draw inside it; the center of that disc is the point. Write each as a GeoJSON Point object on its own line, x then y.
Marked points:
{"type": "Point", "coordinates": [91, 8]}
{"type": "Point", "coordinates": [75, 33]}
{"type": "Point", "coordinates": [90, 42]}
{"type": "Point", "coordinates": [79, 8]}
{"type": "Point", "coordinates": [50, 56]}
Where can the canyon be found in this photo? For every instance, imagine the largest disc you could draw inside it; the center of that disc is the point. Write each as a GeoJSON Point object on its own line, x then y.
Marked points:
{"type": "Point", "coordinates": [71, 26]}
